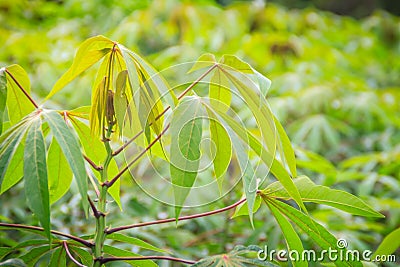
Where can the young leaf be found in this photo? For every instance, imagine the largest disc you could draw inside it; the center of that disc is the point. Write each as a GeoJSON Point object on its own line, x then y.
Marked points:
{"type": "Point", "coordinates": [121, 103]}
{"type": "Point", "coordinates": [242, 209]}
{"type": "Point", "coordinates": [186, 127]}
{"type": "Point", "coordinates": [220, 90]}
{"type": "Point", "coordinates": [134, 241]}
{"type": "Point", "coordinates": [3, 96]}
{"type": "Point", "coordinates": [59, 172]}
{"type": "Point", "coordinates": [204, 61]}
{"type": "Point", "coordinates": [70, 147]}
{"type": "Point", "coordinates": [310, 192]}
{"type": "Point", "coordinates": [314, 230]}
{"type": "Point", "coordinates": [389, 244]}
{"type": "Point", "coordinates": [35, 175]}
{"type": "Point", "coordinates": [293, 241]}
{"type": "Point", "coordinates": [58, 257]}
{"type": "Point", "coordinates": [18, 105]}
{"type": "Point", "coordinates": [89, 52]}
{"type": "Point", "coordinates": [235, 63]}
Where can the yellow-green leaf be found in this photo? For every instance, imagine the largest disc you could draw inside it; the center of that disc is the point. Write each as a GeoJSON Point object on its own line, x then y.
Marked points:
{"type": "Point", "coordinates": [3, 96]}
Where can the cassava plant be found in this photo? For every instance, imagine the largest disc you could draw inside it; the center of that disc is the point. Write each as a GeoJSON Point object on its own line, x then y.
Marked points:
{"type": "Point", "coordinates": [132, 105]}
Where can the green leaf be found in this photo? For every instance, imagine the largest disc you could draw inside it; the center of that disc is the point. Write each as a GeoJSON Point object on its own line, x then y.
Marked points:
{"type": "Point", "coordinates": [204, 61]}
{"type": "Point", "coordinates": [9, 148]}
{"type": "Point", "coordinates": [35, 175]}
{"type": "Point", "coordinates": [242, 209]}
{"type": "Point", "coordinates": [389, 244]}
{"type": "Point", "coordinates": [89, 52]}
{"type": "Point", "coordinates": [324, 239]}
{"type": "Point", "coordinates": [293, 241]}
{"type": "Point", "coordinates": [124, 253]}
{"type": "Point", "coordinates": [310, 192]}
{"type": "Point", "coordinates": [4, 251]}
{"type": "Point", "coordinates": [186, 126]}
{"type": "Point", "coordinates": [3, 96]}
{"type": "Point", "coordinates": [15, 170]}
{"type": "Point", "coordinates": [285, 148]}
{"type": "Point", "coordinates": [235, 63]}
{"type": "Point", "coordinates": [58, 258]}
{"type": "Point", "coordinates": [219, 90]}
{"type": "Point", "coordinates": [85, 257]}
{"type": "Point", "coordinates": [72, 152]}
{"type": "Point", "coordinates": [95, 150]}
{"type": "Point", "coordinates": [135, 241]}
{"type": "Point", "coordinates": [18, 105]}
{"type": "Point", "coordinates": [13, 263]}
{"type": "Point", "coordinates": [31, 257]}
{"type": "Point", "coordinates": [223, 146]}
{"type": "Point", "coordinates": [234, 259]}
{"type": "Point", "coordinates": [59, 172]}
{"type": "Point", "coordinates": [34, 231]}
{"type": "Point", "coordinates": [32, 242]}
{"type": "Point", "coordinates": [121, 103]}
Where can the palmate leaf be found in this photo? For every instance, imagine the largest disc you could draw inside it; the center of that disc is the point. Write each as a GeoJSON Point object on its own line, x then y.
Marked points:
{"type": "Point", "coordinates": [322, 237]}
{"type": "Point", "coordinates": [310, 192]}
{"type": "Point", "coordinates": [234, 259]}
{"type": "Point", "coordinates": [72, 152]}
{"type": "Point", "coordinates": [3, 96]}
{"type": "Point", "coordinates": [89, 52]}
{"type": "Point", "coordinates": [18, 105]}
{"type": "Point", "coordinates": [35, 175]}
{"type": "Point", "coordinates": [186, 127]}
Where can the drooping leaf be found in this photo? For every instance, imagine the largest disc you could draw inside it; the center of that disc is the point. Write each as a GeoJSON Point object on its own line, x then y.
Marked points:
{"type": "Point", "coordinates": [3, 96]}
{"type": "Point", "coordinates": [35, 175]}
{"type": "Point", "coordinates": [389, 244]}
{"type": "Point", "coordinates": [134, 241]}
{"type": "Point", "coordinates": [72, 152]}
{"type": "Point", "coordinates": [13, 263]}
{"type": "Point", "coordinates": [18, 105]}
{"type": "Point", "coordinates": [85, 257]}
{"type": "Point", "coordinates": [89, 52]}
{"type": "Point", "coordinates": [310, 192]}
{"type": "Point", "coordinates": [186, 127]}
{"type": "Point", "coordinates": [285, 148]}
{"type": "Point", "coordinates": [321, 236]}
{"type": "Point", "coordinates": [32, 256]}
{"type": "Point", "coordinates": [293, 241]}
{"type": "Point", "coordinates": [121, 102]}
{"type": "Point", "coordinates": [80, 112]}
{"type": "Point", "coordinates": [59, 172]}
{"type": "Point", "coordinates": [234, 259]}
{"type": "Point", "coordinates": [97, 112]}
{"type": "Point", "coordinates": [58, 257]}
{"type": "Point", "coordinates": [114, 251]}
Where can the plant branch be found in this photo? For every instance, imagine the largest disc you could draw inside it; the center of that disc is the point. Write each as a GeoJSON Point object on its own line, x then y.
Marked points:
{"type": "Point", "coordinates": [70, 255]}
{"type": "Point", "coordinates": [96, 167]}
{"type": "Point", "coordinates": [28, 227]}
{"type": "Point", "coordinates": [113, 180]}
{"type": "Point", "coordinates": [190, 87]}
{"type": "Point", "coordinates": [105, 260]}
{"type": "Point", "coordinates": [22, 89]}
{"type": "Point", "coordinates": [183, 218]}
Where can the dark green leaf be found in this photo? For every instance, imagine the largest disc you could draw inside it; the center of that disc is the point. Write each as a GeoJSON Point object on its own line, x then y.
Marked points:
{"type": "Point", "coordinates": [32, 256]}
{"type": "Point", "coordinates": [135, 241]}
{"type": "Point", "coordinates": [35, 175]}
{"type": "Point", "coordinates": [58, 258]}
{"type": "Point", "coordinates": [113, 251]}
{"type": "Point", "coordinates": [13, 263]}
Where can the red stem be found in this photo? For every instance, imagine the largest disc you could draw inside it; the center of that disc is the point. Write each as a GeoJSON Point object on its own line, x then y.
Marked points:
{"type": "Point", "coordinates": [105, 260]}
{"type": "Point", "coordinates": [22, 89]}
{"type": "Point", "coordinates": [75, 238]}
{"type": "Point", "coordinates": [183, 218]}
{"type": "Point", "coordinates": [70, 255]}
{"type": "Point", "coordinates": [96, 167]}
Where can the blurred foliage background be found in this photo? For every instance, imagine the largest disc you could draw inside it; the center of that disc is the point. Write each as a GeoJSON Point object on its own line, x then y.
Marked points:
{"type": "Point", "coordinates": [335, 88]}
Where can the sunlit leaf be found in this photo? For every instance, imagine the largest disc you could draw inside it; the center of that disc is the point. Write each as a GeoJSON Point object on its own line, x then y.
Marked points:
{"type": "Point", "coordinates": [35, 175]}
{"type": "Point", "coordinates": [242, 209]}
{"type": "Point", "coordinates": [186, 126]}
{"type": "Point", "coordinates": [3, 96]}
{"type": "Point", "coordinates": [59, 172]}
{"type": "Point", "coordinates": [219, 90]}
{"type": "Point", "coordinates": [235, 63]}
{"type": "Point", "coordinates": [310, 192]}
{"type": "Point", "coordinates": [204, 61]}
{"type": "Point", "coordinates": [18, 105]}
{"type": "Point", "coordinates": [121, 103]}
{"type": "Point", "coordinates": [70, 147]}
{"type": "Point", "coordinates": [89, 52]}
